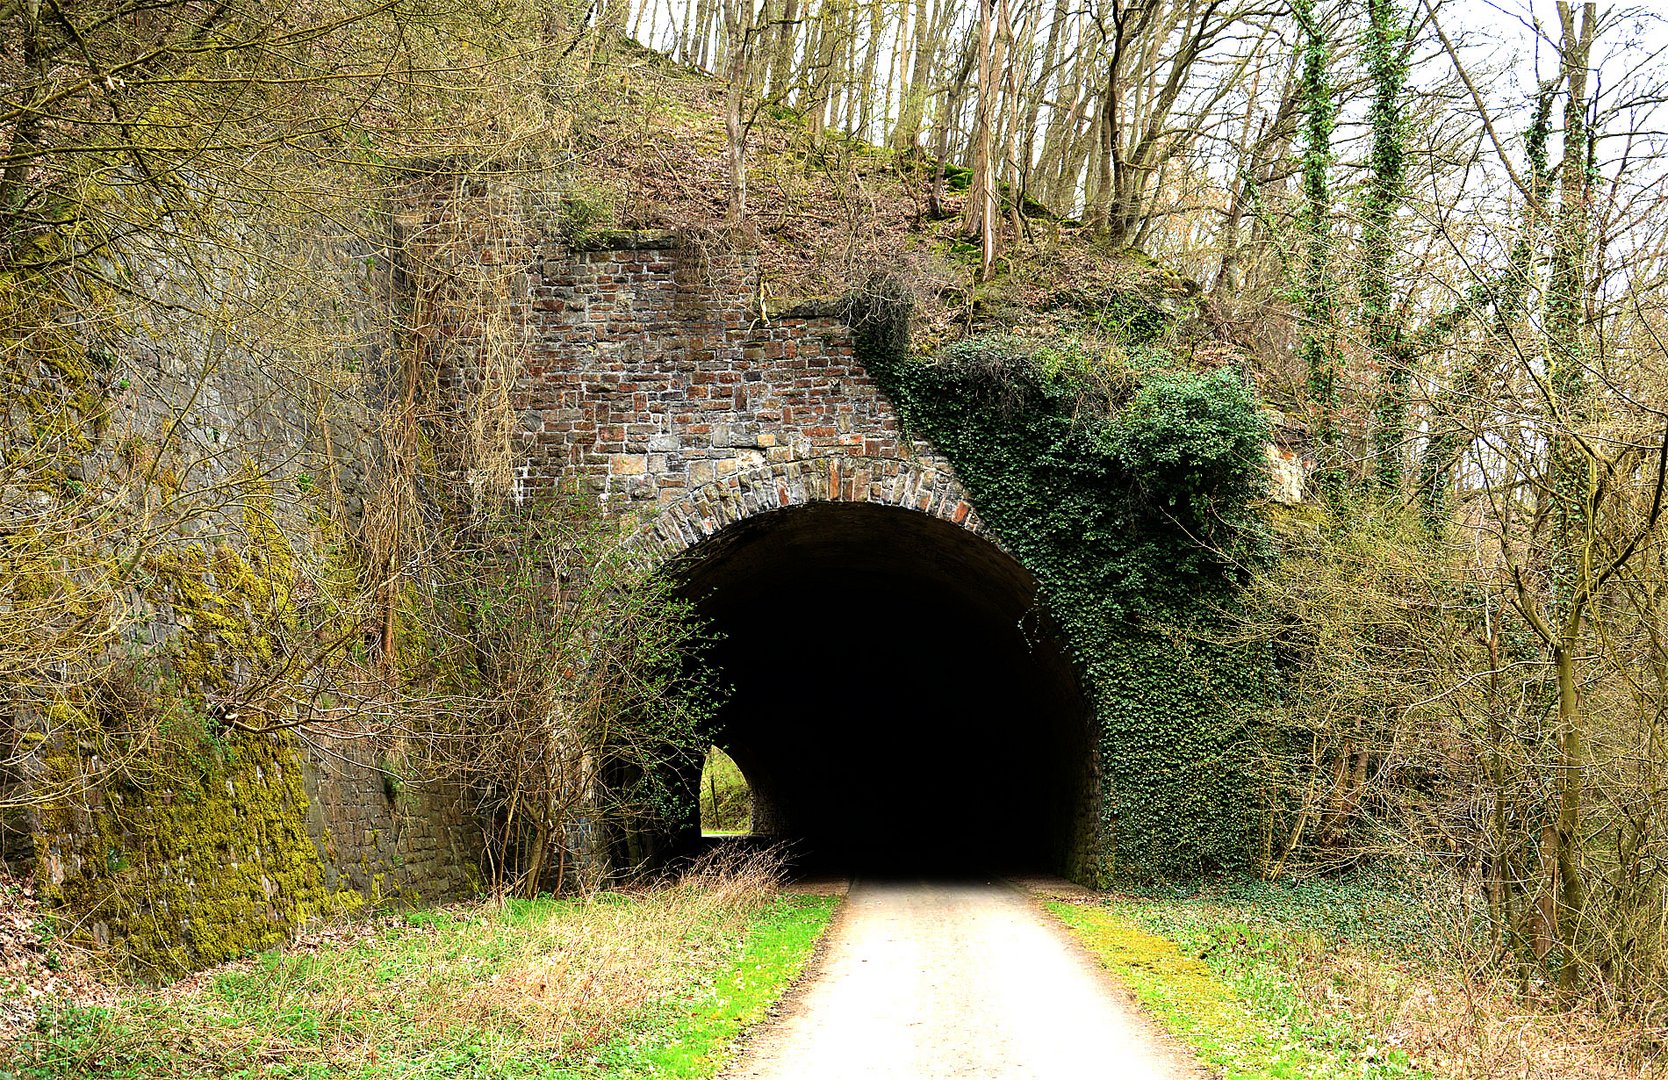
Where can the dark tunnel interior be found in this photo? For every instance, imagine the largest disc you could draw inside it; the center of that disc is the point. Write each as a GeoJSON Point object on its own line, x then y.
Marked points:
{"type": "Point", "coordinates": [899, 704]}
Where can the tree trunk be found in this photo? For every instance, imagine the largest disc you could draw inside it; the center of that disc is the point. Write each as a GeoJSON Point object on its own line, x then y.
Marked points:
{"type": "Point", "coordinates": [1383, 198]}
{"type": "Point", "coordinates": [1566, 361]}
{"type": "Point", "coordinates": [738, 33]}
{"type": "Point", "coordinates": [912, 101]}
{"type": "Point", "coordinates": [783, 36]}
{"type": "Point", "coordinates": [1319, 346]}
{"type": "Point", "coordinates": [945, 121]}
{"type": "Point", "coordinates": [1039, 90]}
{"type": "Point", "coordinates": [979, 220]}
{"type": "Point", "coordinates": [1572, 764]}
{"type": "Point", "coordinates": [817, 73]}
{"type": "Point", "coordinates": [863, 97]}
{"type": "Point", "coordinates": [1104, 158]}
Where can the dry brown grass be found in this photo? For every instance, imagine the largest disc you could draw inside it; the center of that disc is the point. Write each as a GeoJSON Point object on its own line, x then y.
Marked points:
{"type": "Point", "coordinates": [434, 993]}
{"type": "Point", "coordinates": [1478, 1028]}
{"type": "Point", "coordinates": [578, 980]}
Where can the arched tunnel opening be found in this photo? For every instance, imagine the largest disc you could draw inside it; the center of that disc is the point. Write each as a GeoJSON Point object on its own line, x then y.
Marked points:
{"type": "Point", "coordinates": [899, 702]}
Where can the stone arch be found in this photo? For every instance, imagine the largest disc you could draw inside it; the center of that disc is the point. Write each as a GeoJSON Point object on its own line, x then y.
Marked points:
{"type": "Point", "coordinates": [919, 484]}
{"type": "Point", "coordinates": [898, 696]}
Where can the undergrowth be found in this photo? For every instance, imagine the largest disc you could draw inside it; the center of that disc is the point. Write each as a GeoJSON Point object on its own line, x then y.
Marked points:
{"type": "Point", "coordinates": [1359, 976]}
{"type": "Point", "coordinates": [657, 982]}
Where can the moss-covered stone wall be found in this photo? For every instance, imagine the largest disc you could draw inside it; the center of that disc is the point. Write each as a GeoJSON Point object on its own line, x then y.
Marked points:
{"type": "Point", "coordinates": [241, 846]}
{"type": "Point", "coordinates": [383, 836]}
{"type": "Point", "coordinates": [192, 871]}
{"type": "Point", "coordinates": [171, 577]}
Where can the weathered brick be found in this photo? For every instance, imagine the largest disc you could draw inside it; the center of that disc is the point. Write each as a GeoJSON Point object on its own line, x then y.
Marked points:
{"type": "Point", "coordinates": [652, 379]}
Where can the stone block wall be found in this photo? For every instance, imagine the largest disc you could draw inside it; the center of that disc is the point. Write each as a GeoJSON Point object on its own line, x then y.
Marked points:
{"type": "Point", "coordinates": [652, 373]}
{"type": "Point", "coordinates": [385, 836]}
{"type": "Point", "coordinates": [215, 442]}
{"type": "Point", "coordinates": [239, 851]}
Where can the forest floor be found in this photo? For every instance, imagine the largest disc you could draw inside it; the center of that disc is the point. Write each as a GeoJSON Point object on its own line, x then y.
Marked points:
{"type": "Point", "coordinates": [829, 214]}
{"type": "Point", "coordinates": [651, 982]}
{"type": "Point", "coordinates": [1351, 977]}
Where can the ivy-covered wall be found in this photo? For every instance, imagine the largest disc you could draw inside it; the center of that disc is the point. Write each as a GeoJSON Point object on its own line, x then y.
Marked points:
{"type": "Point", "coordinates": [1128, 486]}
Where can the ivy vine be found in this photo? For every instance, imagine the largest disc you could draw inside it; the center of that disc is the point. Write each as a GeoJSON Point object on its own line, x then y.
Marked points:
{"type": "Point", "coordinates": [1129, 490]}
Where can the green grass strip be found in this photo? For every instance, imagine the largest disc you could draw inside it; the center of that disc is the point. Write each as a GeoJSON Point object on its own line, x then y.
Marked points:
{"type": "Point", "coordinates": [363, 1011]}
{"type": "Point", "coordinates": [1240, 1016]}
{"type": "Point", "coordinates": [696, 1035]}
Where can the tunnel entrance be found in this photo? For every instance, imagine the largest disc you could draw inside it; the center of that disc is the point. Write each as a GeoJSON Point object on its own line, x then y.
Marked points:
{"type": "Point", "coordinates": [899, 702]}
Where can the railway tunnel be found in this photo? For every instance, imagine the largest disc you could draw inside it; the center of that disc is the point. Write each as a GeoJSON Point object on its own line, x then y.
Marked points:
{"type": "Point", "coordinates": [899, 703]}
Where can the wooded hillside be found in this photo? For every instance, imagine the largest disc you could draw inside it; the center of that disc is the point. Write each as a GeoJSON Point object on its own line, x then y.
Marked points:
{"type": "Point", "coordinates": [239, 243]}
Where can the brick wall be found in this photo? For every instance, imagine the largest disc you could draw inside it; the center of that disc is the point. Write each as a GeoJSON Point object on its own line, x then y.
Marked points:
{"type": "Point", "coordinates": [650, 374]}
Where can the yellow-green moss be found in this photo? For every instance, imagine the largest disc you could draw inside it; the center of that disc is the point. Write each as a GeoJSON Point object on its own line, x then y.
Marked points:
{"type": "Point", "coordinates": [180, 842]}
{"type": "Point", "coordinates": [187, 843]}
{"type": "Point", "coordinates": [1184, 995]}
{"type": "Point", "coordinates": [198, 871]}
{"type": "Point", "coordinates": [1159, 973]}
{"type": "Point", "coordinates": [232, 607]}
{"type": "Point", "coordinates": [55, 404]}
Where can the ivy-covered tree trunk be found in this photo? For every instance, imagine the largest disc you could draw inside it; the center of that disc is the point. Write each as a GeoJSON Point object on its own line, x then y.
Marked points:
{"type": "Point", "coordinates": [1571, 474]}
{"type": "Point", "coordinates": [1319, 348]}
{"type": "Point", "coordinates": [1387, 68]}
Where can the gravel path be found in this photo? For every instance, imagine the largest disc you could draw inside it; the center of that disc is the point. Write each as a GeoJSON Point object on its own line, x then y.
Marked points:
{"type": "Point", "coordinates": [934, 980]}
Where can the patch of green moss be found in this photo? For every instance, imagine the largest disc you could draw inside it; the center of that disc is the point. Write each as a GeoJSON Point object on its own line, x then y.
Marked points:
{"type": "Point", "coordinates": [185, 842]}
{"type": "Point", "coordinates": [1180, 990]}
{"type": "Point", "coordinates": [1225, 988]}
{"type": "Point", "coordinates": [1154, 962]}
{"type": "Point", "coordinates": [195, 871]}
{"type": "Point", "coordinates": [232, 607]}
{"type": "Point", "coordinates": [51, 383]}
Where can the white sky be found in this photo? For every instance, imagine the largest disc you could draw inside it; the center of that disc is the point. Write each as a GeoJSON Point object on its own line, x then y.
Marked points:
{"type": "Point", "coordinates": [1630, 33]}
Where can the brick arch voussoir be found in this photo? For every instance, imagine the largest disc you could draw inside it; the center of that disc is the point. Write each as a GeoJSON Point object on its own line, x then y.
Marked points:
{"type": "Point", "coordinates": [911, 484]}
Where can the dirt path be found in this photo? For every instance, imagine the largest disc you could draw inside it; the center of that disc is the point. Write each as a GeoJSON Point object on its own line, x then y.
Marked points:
{"type": "Point", "coordinates": [932, 980]}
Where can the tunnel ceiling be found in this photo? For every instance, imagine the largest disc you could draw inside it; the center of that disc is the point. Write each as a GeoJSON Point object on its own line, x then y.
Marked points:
{"type": "Point", "coordinates": [898, 700]}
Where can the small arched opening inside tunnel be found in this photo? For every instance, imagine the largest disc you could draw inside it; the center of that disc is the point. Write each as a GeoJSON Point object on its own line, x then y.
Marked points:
{"type": "Point", "coordinates": [899, 702]}
{"type": "Point", "coordinates": [726, 799]}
